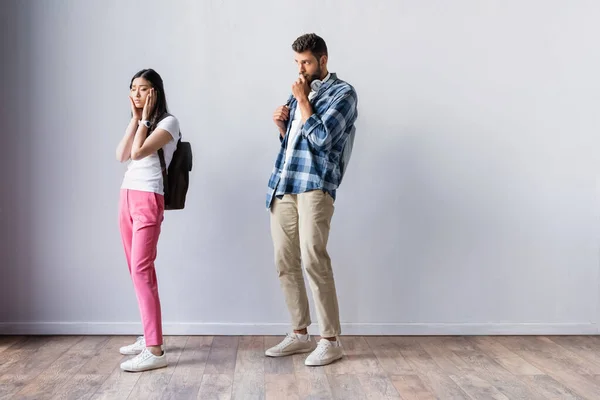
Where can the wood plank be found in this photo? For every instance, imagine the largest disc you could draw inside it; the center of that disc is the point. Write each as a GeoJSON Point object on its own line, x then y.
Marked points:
{"type": "Point", "coordinates": [440, 349]}
{"type": "Point", "coordinates": [34, 342]}
{"type": "Point", "coordinates": [11, 359]}
{"type": "Point", "coordinates": [35, 354]}
{"type": "Point", "coordinates": [280, 377]}
{"type": "Point", "coordinates": [559, 366]}
{"type": "Point", "coordinates": [411, 387]}
{"type": "Point", "coordinates": [478, 388]}
{"type": "Point", "coordinates": [27, 359]}
{"type": "Point", "coordinates": [187, 377]}
{"type": "Point", "coordinates": [281, 386]}
{"type": "Point", "coordinates": [80, 387]}
{"type": "Point", "coordinates": [389, 356]}
{"type": "Point", "coordinates": [10, 384]}
{"type": "Point", "coordinates": [509, 360]}
{"type": "Point", "coordinates": [9, 341]}
{"type": "Point", "coordinates": [513, 367]}
{"type": "Point", "coordinates": [298, 366]}
{"type": "Point", "coordinates": [250, 355]}
{"type": "Point", "coordinates": [216, 387]}
{"type": "Point", "coordinates": [152, 384]}
{"type": "Point", "coordinates": [358, 358]}
{"type": "Point", "coordinates": [12, 381]}
{"type": "Point", "coordinates": [312, 383]}
{"type": "Point", "coordinates": [488, 369]}
{"type": "Point", "coordinates": [378, 387]}
{"type": "Point", "coordinates": [430, 373]}
{"type": "Point", "coordinates": [109, 358]}
{"type": "Point", "coordinates": [249, 374]}
{"type": "Point", "coordinates": [279, 365]}
{"type": "Point", "coordinates": [117, 386]}
{"type": "Point", "coordinates": [581, 346]}
{"type": "Point", "coordinates": [547, 348]}
{"type": "Point", "coordinates": [346, 387]}
{"type": "Point", "coordinates": [549, 388]}
{"type": "Point", "coordinates": [46, 384]}
{"type": "Point", "coordinates": [222, 357]}
{"type": "Point", "coordinates": [494, 377]}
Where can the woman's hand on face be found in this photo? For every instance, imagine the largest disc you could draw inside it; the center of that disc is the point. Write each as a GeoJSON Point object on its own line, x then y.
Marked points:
{"type": "Point", "coordinates": [135, 112]}
{"type": "Point", "coordinates": [149, 106]}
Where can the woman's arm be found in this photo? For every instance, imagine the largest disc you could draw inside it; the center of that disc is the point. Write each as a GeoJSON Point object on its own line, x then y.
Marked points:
{"type": "Point", "coordinates": [144, 146]}
{"type": "Point", "coordinates": [124, 147]}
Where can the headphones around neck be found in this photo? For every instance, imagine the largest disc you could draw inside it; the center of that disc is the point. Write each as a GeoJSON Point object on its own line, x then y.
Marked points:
{"type": "Point", "coordinates": [316, 85]}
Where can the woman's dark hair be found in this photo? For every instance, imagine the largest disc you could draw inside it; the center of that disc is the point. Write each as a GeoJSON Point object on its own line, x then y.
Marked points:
{"type": "Point", "coordinates": [160, 108]}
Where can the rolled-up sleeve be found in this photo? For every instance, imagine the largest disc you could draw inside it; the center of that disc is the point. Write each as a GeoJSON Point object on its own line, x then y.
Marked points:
{"type": "Point", "coordinates": [323, 130]}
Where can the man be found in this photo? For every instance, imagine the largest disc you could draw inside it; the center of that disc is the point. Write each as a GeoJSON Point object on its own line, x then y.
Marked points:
{"type": "Point", "coordinates": [316, 128]}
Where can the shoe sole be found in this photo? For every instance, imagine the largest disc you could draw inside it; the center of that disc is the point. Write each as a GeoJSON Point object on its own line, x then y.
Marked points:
{"type": "Point", "coordinates": [289, 353]}
{"type": "Point", "coordinates": [130, 353]}
{"type": "Point", "coordinates": [144, 370]}
{"type": "Point", "coordinates": [323, 363]}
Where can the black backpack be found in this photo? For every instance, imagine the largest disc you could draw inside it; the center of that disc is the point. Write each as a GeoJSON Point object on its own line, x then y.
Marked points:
{"type": "Point", "coordinates": [176, 179]}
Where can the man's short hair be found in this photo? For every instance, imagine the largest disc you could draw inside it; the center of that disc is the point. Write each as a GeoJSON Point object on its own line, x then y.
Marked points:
{"type": "Point", "coordinates": [310, 42]}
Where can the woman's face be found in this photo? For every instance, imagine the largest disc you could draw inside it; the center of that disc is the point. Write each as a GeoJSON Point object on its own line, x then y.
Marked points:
{"type": "Point", "coordinates": [140, 88]}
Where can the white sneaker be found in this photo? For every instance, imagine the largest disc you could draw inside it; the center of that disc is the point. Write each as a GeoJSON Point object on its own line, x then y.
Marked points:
{"type": "Point", "coordinates": [292, 344]}
{"type": "Point", "coordinates": [145, 361]}
{"type": "Point", "coordinates": [133, 349]}
{"type": "Point", "coordinates": [325, 353]}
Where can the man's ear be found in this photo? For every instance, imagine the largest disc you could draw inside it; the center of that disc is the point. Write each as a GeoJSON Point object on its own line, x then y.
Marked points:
{"type": "Point", "coordinates": [323, 61]}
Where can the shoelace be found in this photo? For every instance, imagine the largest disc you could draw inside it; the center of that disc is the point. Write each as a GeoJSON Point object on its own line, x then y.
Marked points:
{"type": "Point", "coordinates": [322, 347]}
{"type": "Point", "coordinates": [138, 341]}
{"type": "Point", "coordinates": [289, 339]}
{"type": "Point", "coordinates": [143, 356]}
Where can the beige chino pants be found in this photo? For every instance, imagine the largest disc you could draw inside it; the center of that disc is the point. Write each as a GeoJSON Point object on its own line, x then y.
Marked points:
{"type": "Point", "coordinates": [300, 227]}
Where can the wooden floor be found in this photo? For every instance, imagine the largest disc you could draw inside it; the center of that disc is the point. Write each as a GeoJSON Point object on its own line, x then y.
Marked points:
{"type": "Point", "coordinates": [499, 367]}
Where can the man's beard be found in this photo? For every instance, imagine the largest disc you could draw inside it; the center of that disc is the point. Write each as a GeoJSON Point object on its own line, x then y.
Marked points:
{"type": "Point", "coordinates": [317, 75]}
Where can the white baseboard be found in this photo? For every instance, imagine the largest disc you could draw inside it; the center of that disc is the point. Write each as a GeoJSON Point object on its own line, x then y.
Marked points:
{"type": "Point", "coordinates": [383, 329]}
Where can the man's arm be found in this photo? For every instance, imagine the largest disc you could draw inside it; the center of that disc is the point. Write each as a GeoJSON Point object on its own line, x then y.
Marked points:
{"type": "Point", "coordinates": [324, 130]}
{"type": "Point", "coordinates": [281, 117]}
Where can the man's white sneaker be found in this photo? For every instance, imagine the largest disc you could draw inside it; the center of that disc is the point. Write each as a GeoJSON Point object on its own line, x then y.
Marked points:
{"type": "Point", "coordinates": [325, 353]}
{"type": "Point", "coordinates": [145, 361]}
{"type": "Point", "coordinates": [133, 349]}
{"type": "Point", "coordinates": [292, 344]}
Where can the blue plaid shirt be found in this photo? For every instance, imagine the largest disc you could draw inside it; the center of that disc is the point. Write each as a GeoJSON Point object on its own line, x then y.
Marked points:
{"type": "Point", "coordinates": [315, 160]}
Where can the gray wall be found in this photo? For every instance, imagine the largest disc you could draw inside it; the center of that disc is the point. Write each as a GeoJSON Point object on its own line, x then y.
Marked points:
{"type": "Point", "coordinates": [470, 205]}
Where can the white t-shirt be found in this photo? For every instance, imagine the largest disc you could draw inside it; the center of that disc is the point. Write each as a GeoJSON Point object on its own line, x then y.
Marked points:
{"type": "Point", "coordinates": [145, 174]}
{"type": "Point", "coordinates": [295, 128]}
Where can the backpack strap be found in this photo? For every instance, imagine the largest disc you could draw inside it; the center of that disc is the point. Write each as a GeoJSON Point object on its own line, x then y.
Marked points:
{"type": "Point", "coordinates": [163, 167]}
{"type": "Point", "coordinates": [161, 156]}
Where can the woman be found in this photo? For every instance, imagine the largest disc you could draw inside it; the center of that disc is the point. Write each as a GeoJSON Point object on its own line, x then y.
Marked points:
{"type": "Point", "coordinates": [141, 208]}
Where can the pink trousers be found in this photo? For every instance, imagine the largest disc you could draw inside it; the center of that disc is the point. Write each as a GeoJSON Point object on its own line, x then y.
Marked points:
{"type": "Point", "coordinates": [140, 217]}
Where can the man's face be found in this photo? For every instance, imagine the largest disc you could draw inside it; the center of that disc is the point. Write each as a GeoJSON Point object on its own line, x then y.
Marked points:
{"type": "Point", "coordinates": [309, 66]}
